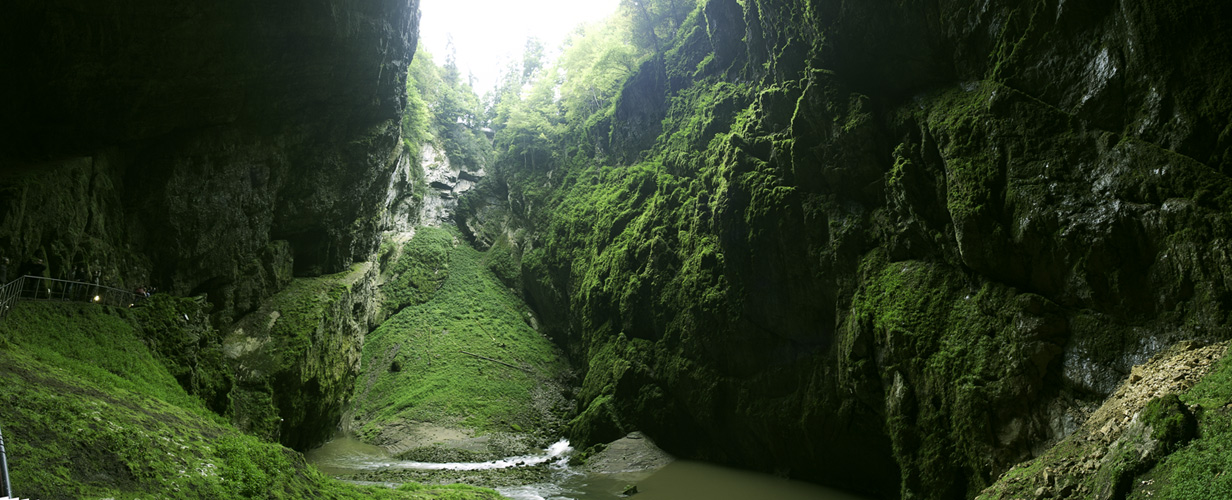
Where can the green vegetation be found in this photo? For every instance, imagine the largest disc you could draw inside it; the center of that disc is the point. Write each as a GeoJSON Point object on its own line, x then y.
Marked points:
{"type": "Point", "coordinates": [655, 22]}
{"type": "Point", "coordinates": [956, 354]}
{"type": "Point", "coordinates": [545, 115]}
{"type": "Point", "coordinates": [619, 249]}
{"type": "Point", "coordinates": [102, 345]}
{"type": "Point", "coordinates": [414, 367]}
{"type": "Point", "coordinates": [92, 412]}
{"type": "Point", "coordinates": [597, 62]}
{"type": "Point", "coordinates": [1197, 469]}
{"type": "Point", "coordinates": [295, 358]}
{"type": "Point", "coordinates": [444, 115]}
{"type": "Point", "coordinates": [1173, 446]}
{"type": "Point", "coordinates": [422, 266]}
{"type": "Point", "coordinates": [443, 109]}
{"type": "Point", "coordinates": [705, 194]}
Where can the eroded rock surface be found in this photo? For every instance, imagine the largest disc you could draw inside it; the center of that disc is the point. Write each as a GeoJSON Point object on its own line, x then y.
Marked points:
{"type": "Point", "coordinates": [895, 248]}
{"type": "Point", "coordinates": [216, 149]}
{"type": "Point", "coordinates": [173, 144]}
{"type": "Point", "coordinates": [297, 357]}
{"type": "Point", "coordinates": [446, 182]}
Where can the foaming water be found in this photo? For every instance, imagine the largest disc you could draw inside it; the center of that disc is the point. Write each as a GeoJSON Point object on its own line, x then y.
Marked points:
{"type": "Point", "coordinates": [347, 455]}
{"type": "Point", "coordinates": [556, 451]}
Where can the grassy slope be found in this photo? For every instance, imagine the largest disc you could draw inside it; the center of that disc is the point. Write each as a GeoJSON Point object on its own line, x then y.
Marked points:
{"type": "Point", "coordinates": [89, 412]}
{"type": "Point", "coordinates": [421, 268]}
{"type": "Point", "coordinates": [1201, 468]}
{"type": "Point", "coordinates": [413, 367]}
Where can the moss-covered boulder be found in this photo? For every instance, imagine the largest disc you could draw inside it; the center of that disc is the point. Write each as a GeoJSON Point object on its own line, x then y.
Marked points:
{"type": "Point", "coordinates": [1171, 422]}
{"type": "Point", "coordinates": [296, 357]}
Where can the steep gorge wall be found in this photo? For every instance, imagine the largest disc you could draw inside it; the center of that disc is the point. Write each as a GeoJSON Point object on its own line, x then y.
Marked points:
{"type": "Point", "coordinates": [216, 149]}
{"type": "Point", "coordinates": [891, 246]}
{"type": "Point", "coordinates": [174, 144]}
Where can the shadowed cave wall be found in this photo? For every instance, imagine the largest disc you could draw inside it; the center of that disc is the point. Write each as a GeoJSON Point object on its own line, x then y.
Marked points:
{"type": "Point", "coordinates": [216, 149]}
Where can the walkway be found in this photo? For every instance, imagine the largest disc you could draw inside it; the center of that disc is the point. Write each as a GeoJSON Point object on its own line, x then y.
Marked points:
{"type": "Point", "coordinates": [40, 288]}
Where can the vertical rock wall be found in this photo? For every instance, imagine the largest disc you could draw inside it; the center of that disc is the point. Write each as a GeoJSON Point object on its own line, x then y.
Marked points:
{"type": "Point", "coordinates": [892, 246]}
{"type": "Point", "coordinates": [217, 148]}
{"type": "Point", "coordinates": [214, 148]}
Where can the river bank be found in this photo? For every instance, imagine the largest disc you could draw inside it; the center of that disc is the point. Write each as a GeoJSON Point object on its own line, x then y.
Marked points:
{"type": "Point", "coordinates": [630, 466]}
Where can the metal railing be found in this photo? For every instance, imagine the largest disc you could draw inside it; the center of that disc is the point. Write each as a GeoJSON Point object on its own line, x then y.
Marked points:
{"type": "Point", "coordinates": [9, 293]}
{"type": "Point", "coordinates": [5, 487]}
{"type": "Point", "coordinates": [40, 288]}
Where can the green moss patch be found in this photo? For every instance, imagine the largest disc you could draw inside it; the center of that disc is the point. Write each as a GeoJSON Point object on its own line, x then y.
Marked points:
{"type": "Point", "coordinates": [296, 358]}
{"type": "Point", "coordinates": [952, 357]}
{"type": "Point", "coordinates": [103, 345]}
{"type": "Point", "coordinates": [90, 412]}
{"type": "Point", "coordinates": [422, 266]}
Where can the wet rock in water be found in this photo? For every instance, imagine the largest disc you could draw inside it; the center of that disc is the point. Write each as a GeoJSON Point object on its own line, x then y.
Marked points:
{"type": "Point", "coordinates": [632, 453]}
{"type": "Point", "coordinates": [630, 491]}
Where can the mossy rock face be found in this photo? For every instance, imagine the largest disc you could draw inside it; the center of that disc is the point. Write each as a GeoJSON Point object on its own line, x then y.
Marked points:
{"type": "Point", "coordinates": [923, 264]}
{"type": "Point", "coordinates": [296, 358]}
{"type": "Point", "coordinates": [152, 188]}
{"type": "Point", "coordinates": [598, 423]}
{"type": "Point", "coordinates": [1172, 424]}
{"type": "Point", "coordinates": [959, 367]}
{"type": "Point", "coordinates": [178, 330]}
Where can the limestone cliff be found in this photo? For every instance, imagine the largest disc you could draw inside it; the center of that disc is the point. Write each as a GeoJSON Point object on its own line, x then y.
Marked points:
{"type": "Point", "coordinates": [217, 149]}
{"type": "Point", "coordinates": [296, 358]}
{"type": "Point", "coordinates": [892, 246]}
{"type": "Point", "coordinates": [173, 143]}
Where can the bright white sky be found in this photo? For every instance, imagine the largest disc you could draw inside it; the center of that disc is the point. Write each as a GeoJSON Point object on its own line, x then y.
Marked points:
{"type": "Point", "coordinates": [489, 33]}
